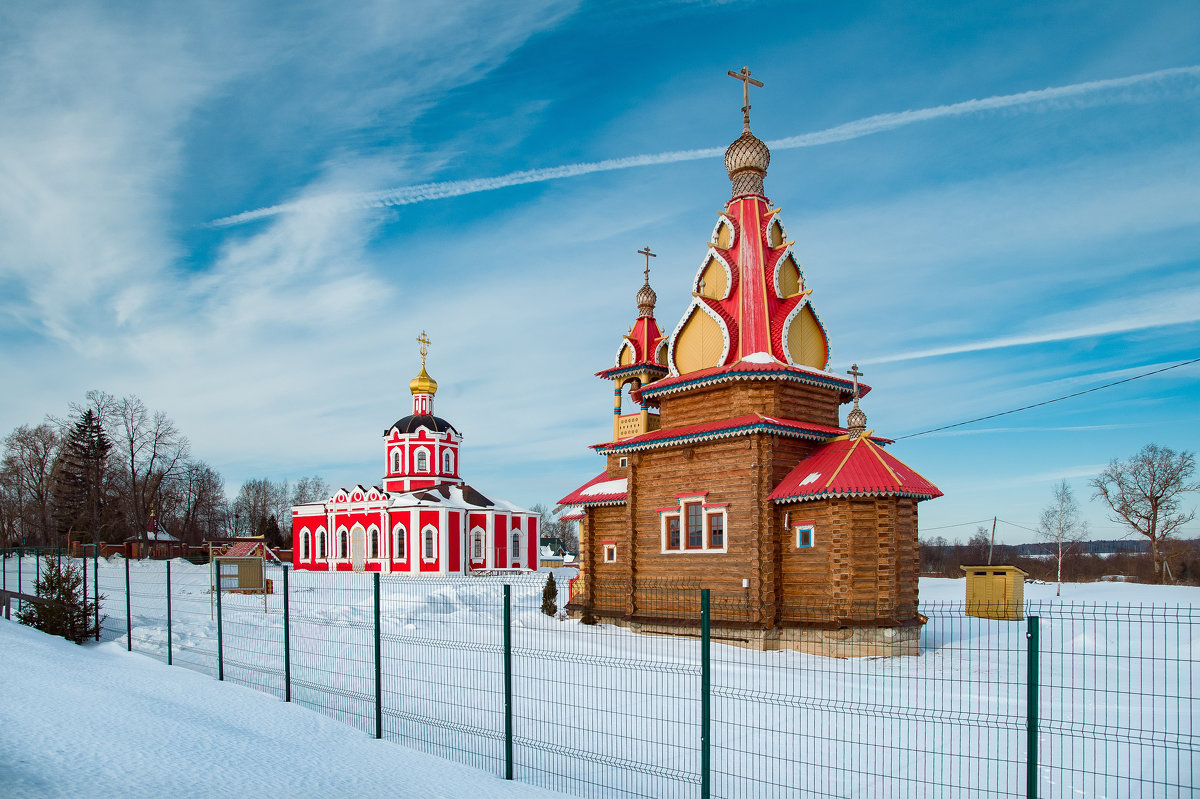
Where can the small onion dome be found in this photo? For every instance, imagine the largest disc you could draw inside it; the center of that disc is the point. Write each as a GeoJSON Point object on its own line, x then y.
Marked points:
{"type": "Point", "coordinates": [423, 383]}
{"type": "Point", "coordinates": [856, 421]}
{"type": "Point", "coordinates": [646, 298]}
{"type": "Point", "coordinates": [746, 161]}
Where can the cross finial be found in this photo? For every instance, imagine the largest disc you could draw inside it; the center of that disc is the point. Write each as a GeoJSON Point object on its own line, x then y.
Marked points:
{"type": "Point", "coordinates": [646, 252]}
{"type": "Point", "coordinates": [855, 374]}
{"type": "Point", "coordinates": [423, 340]}
{"type": "Point", "coordinates": [747, 81]}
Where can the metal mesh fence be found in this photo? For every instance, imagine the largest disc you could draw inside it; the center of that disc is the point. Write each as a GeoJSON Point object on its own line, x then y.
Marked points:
{"type": "Point", "coordinates": [1076, 700]}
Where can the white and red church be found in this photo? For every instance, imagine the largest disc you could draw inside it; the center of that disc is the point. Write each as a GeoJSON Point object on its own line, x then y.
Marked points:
{"type": "Point", "coordinates": [424, 519]}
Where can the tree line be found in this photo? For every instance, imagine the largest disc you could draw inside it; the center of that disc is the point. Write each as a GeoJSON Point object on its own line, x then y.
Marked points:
{"type": "Point", "coordinates": [99, 473]}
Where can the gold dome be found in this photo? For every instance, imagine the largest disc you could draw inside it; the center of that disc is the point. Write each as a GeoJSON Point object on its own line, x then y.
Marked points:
{"type": "Point", "coordinates": [746, 161]}
{"type": "Point", "coordinates": [646, 298]}
{"type": "Point", "coordinates": [423, 383]}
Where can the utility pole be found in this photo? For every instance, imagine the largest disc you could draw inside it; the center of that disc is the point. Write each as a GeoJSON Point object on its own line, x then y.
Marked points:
{"type": "Point", "coordinates": [992, 545]}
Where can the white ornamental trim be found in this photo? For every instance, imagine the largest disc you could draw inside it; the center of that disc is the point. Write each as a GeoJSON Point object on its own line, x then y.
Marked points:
{"type": "Point", "coordinates": [714, 255]}
{"type": "Point", "coordinates": [718, 434]}
{"type": "Point", "coordinates": [727, 221]}
{"type": "Point", "coordinates": [779, 263]}
{"type": "Point", "coordinates": [697, 303]}
{"type": "Point", "coordinates": [787, 323]}
{"type": "Point", "coordinates": [852, 495]}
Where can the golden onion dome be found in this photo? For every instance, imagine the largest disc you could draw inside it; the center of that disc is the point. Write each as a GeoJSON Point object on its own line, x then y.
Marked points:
{"type": "Point", "coordinates": [423, 383]}
{"type": "Point", "coordinates": [646, 298]}
{"type": "Point", "coordinates": [746, 161]}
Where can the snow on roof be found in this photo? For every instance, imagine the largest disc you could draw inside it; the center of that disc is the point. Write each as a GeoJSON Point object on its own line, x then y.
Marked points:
{"type": "Point", "coordinates": [591, 493]}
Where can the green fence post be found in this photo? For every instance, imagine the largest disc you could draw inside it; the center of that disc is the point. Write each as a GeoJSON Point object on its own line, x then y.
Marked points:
{"type": "Point", "coordinates": [378, 667]}
{"type": "Point", "coordinates": [287, 644]}
{"type": "Point", "coordinates": [168, 613]}
{"type": "Point", "coordinates": [128, 611]}
{"type": "Point", "coordinates": [84, 561]}
{"type": "Point", "coordinates": [705, 709]}
{"type": "Point", "coordinates": [1031, 765]}
{"type": "Point", "coordinates": [508, 704]}
{"type": "Point", "coordinates": [96, 586]}
{"type": "Point", "coordinates": [220, 637]}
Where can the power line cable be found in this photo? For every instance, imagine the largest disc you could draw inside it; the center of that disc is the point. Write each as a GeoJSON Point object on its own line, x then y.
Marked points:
{"type": "Point", "coordinates": [1049, 401]}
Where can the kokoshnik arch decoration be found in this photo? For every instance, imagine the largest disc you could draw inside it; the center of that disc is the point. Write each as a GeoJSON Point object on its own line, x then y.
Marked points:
{"type": "Point", "coordinates": [732, 470]}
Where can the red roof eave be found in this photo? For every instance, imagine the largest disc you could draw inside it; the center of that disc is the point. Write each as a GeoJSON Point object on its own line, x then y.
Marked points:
{"type": "Point", "coordinates": [725, 428]}
{"type": "Point", "coordinates": [579, 498]}
{"type": "Point", "coordinates": [752, 371]}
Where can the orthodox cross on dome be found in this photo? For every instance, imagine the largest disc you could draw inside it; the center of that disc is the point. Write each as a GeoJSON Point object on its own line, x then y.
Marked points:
{"type": "Point", "coordinates": [423, 340]}
{"type": "Point", "coordinates": [646, 252]}
{"type": "Point", "coordinates": [744, 77]}
{"type": "Point", "coordinates": [856, 420]}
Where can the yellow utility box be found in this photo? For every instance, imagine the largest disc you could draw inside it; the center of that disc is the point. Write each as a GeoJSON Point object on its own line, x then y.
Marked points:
{"type": "Point", "coordinates": [995, 592]}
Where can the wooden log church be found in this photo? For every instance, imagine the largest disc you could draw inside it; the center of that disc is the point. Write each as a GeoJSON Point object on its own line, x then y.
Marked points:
{"type": "Point", "coordinates": [733, 472]}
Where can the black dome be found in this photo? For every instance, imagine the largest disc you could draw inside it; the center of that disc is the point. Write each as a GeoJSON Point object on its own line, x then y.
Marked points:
{"type": "Point", "coordinates": [409, 424]}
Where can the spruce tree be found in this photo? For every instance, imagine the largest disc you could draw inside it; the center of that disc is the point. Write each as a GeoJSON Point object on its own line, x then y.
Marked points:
{"type": "Point", "coordinates": [66, 614]}
{"type": "Point", "coordinates": [80, 480]}
{"type": "Point", "coordinates": [550, 596]}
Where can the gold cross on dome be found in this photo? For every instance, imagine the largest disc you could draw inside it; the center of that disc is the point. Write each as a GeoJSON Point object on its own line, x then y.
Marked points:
{"type": "Point", "coordinates": [744, 77]}
{"type": "Point", "coordinates": [646, 252]}
{"type": "Point", "coordinates": [423, 340]}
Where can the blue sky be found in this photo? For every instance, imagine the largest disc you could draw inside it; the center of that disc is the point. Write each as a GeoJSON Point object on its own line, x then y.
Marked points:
{"type": "Point", "coordinates": [971, 257]}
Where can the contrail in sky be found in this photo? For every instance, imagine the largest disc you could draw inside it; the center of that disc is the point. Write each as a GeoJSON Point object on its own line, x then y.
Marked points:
{"type": "Point", "coordinates": [407, 195]}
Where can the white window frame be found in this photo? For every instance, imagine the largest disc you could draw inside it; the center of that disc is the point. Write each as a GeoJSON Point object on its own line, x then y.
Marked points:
{"type": "Point", "coordinates": [425, 531]}
{"type": "Point", "coordinates": [448, 462]}
{"type": "Point", "coordinates": [399, 541]}
{"type": "Point", "coordinates": [514, 557]}
{"type": "Point", "coordinates": [343, 542]}
{"type": "Point", "coordinates": [806, 526]}
{"type": "Point", "coordinates": [708, 511]}
{"type": "Point", "coordinates": [305, 545]}
{"type": "Point", "coordinates": [398, 460]}
{"type": "Point", "coordinates": [478, 536]}
{"type": "Point", "coordinates": [610, 553]}
{"type": "Point", "coordinates": [322, 551]}
{"type": "Point", "coordinates": [419, 455]}
{"type": "Point", "coordinates": [373, 543]}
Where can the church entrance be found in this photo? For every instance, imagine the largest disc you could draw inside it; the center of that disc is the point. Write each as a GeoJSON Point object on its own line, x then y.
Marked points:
{"type": "Point", "coordinates": [358, 548]}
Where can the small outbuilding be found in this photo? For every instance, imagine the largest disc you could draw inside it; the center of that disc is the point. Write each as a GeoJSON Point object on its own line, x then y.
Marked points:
{"type": "Point", "coordinates": [995, 592]}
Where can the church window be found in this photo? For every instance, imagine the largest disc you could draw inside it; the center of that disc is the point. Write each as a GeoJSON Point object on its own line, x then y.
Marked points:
{"type": "Point", "coordinates": [396, 461]}
{"type": "Point", "coordinates": [804, 534]}
{"type": "Point", "coordinates": [447, 462]}
{"type": "Point", "coordinates": [516, 549]}
{"type": "Point", "coordinates": [399, 543]}
{"type": "Point", "coordinates": [695, 526]}
{"type": "Point", "coordinates": [374, 543]}
{"type": "Point", "coordinates": [343, 545]}
{"type": "Point", "coordinates": [623, 462]}
{"type": "Point", "coordinates": [610, 553]}
{"type": "Point", "coordinates": [716, 530]}
{"type": "Point", "coordinates": [477, 544]}
{"type": "Point", "coordinates": [322, 552]}
{"type": "Point", "coordinates": [304, 545]}
{"type": "Point", "coordinates": [422, 460]}
{"type": "Point", "coordinates": [430, 536]}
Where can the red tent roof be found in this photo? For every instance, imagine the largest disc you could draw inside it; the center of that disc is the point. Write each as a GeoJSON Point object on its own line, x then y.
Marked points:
{"type": "Point", "coordinates": [600, 490]}
{"type": "Point", "coordinates": [725, 428]}
{"type": "Point", "coordinates": [846, 467]}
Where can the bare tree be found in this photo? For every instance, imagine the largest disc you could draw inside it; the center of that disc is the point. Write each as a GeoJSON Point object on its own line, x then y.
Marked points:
{"type": "Point", "coordinates": [204, 507]}
{"type": "Point", "coordinates": [1061, 526]}
{"type": "Point", "coordinates": [29, 455]}
{"type": "Point", "coordinates": [1145, 493]}
{"type": "Point", "coordinates": [153, 453]}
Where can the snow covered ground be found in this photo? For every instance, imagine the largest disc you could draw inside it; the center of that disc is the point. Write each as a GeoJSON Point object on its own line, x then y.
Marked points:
{"type": "Point", "coordinates": [605, 711]}
{"type": "Point", "coordinates": [99, 722]}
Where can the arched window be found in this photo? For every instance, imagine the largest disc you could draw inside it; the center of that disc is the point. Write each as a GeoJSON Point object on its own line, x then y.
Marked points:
{"type": "Point", "coordinates": [516, 548]}
{"type": "Point", "coordinates": [422, 460]}
{"type": "Point", "coordinates": [396, 461]}
{"type": "Point", "coordinates": [321, 550]}
{"type": "Point", "coordinates": [374, 543]}
{"type": "Point", "coordinates": [430, 536]}
{"type": "Point", "coordinates": [304, 545]}
{"type": "Point", "coordinates": [343, 545]}
{"type": "Point", "coordinates": [447, 462]}
{"type": "Point", "coordinates": [477, 544]}
{"type": "Point", "coordinates": [399, 543]}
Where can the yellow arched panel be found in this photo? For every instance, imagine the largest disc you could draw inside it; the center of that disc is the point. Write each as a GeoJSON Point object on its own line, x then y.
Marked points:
{"type": "Point", "coordinates": [626, 355]}
{"type": "Point", "coordinates": [713, 280]}
{"type": "Point", "coordinates": [724, 235]}
{"type": "Point", "coordinates": [700, 343]}
{"type": "Point", "coordinates": [789, 278]}
{"type": "Point", "coordinates": [806, 341]}
{"type": "Point", "coordinates": [775, 234]}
